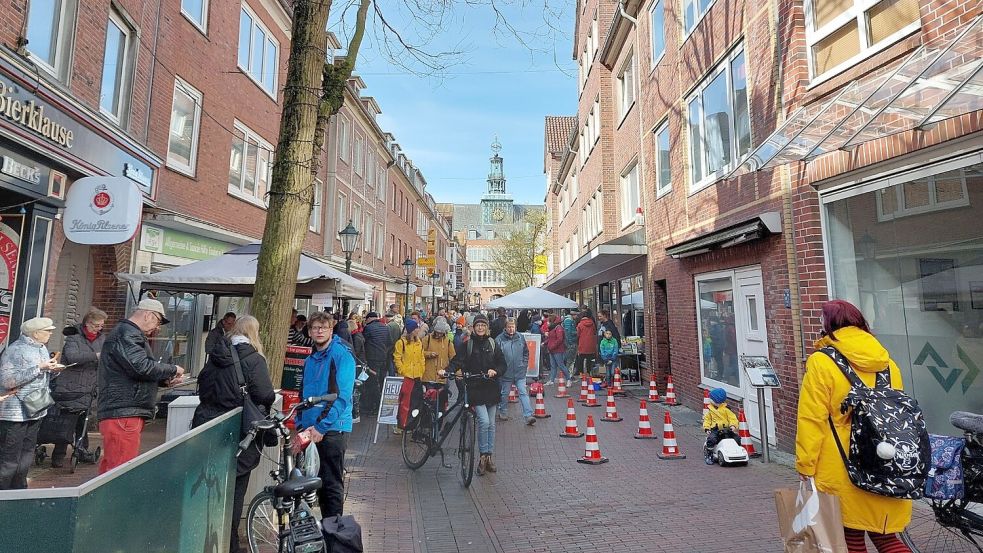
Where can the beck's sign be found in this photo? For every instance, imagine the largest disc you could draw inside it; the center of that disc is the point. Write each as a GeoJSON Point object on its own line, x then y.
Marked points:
{"type": "Point", "coordinates": [102, 210]}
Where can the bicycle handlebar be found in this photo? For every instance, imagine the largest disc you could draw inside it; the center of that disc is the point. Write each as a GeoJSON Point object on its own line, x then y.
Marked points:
{"type": "Point", "coordinates": [278, 419]}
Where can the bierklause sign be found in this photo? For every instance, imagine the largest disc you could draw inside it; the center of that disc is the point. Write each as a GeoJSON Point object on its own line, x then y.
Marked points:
{"type": "Point", "coordinates": [102, 210]}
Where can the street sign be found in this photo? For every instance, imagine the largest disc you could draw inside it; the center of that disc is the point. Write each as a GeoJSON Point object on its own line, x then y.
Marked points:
{"type": "Point", "coordinates": [428, 261]}
{"type": "Point", "coordinates": [760, 372]}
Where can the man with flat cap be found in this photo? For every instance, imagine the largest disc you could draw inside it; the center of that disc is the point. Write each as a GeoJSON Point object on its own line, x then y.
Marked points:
{"type": "Point", "coordinates": [128, 381]}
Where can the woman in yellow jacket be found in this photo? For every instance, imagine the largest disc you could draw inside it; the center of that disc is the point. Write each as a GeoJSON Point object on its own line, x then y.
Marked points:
{"type": "Point", "coordinates": [824, 387]}
{"type": "Point", "coordinates": [408, 352]}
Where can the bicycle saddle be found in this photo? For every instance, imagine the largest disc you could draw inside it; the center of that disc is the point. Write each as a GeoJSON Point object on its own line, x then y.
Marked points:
{"type": "Point", "coordinates": [297, 486]}
{"type": "Point", "coordinates": [964, 420]}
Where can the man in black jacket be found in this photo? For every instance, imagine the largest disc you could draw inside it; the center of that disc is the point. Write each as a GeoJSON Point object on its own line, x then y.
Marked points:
{"type": "Point", "coordinates": [378, 353]}
{"type": "Point", "coordinates": [128, 381]}
{"type": "Point", "coordinates": [498, 325]}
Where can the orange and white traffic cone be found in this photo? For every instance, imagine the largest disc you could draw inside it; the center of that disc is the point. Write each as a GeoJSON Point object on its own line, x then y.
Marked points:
{"type": "Point", "coordinates": [592, 452]}
{"type": "Point", "coordinates": [591, 397]}
{"type": "Point", "coordinates": [669, 448]}
{"type": "Point", "coordinates": [540, 412]}
{"type": "Point", "coordinates": [611, 410]}
{"type": "Point", "coordinates": [654, 391]}
{"type": "Point", "coordinates": [571, 429]}
{"type": "Point", "coordinates": [514, 395]}
{"type": "Point", "coordinates": [644, 424]}
{"type": "Point", "coordinates": [670, 392]}
{"type": "Point", "coordinates": [616, 384]}
{"type": "Point", "coordinates": [745, 434]}
{"type": "Point", "coordinates": [706, 401]}
{"type": "Point", "coordinates": [583, 389]}
{"type": "Point", "coordinates": [561, 387]}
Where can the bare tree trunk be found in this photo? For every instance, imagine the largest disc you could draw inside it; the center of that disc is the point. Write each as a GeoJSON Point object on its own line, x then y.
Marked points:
{"type": "Point", "coordinates": [291, 188]}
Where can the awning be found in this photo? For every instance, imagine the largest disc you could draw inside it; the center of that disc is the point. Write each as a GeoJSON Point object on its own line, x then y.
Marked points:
{"type": "Point", "coordinates": [532, 297]}
{"type": "Point", "coordinates": [936, 82]}
{"type": "Point", "coordinates": [759, 227]}
{"type": "Point", "coordinates": [601, 258]}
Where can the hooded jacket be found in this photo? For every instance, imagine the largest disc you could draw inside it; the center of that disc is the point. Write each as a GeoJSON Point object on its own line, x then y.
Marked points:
{"type": "Point", "coordinates": [516, 354]}
{"type": "Point", "coordinates": [445, 352]}
{"type": "Point", "coordinates": [586, 337]}
{"type": "Point", "coordinates": [556, 342]}
{"type": "Point", "coordinates": [570, 331]}
{"type": "Point", "coordinates": [609, 349]}
{"type": "Point", "coordinates": [719, 416]}
{"type": "Point", "coordinates": [75, 387]}
{"type": "Point", "coordinates": [408, 357]}
{"type": "Point", "coordinates": [823, 389]}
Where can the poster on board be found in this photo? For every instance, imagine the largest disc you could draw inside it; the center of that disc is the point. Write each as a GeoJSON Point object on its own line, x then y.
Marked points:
{"type": "Point", "coordinates": [534, 342]}
{"type": "Point", "coordinates": [389, 404]}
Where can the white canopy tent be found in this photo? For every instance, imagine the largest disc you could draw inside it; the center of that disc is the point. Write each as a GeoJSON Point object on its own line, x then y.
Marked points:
{"type": "Point", "coordinates": [533, 298]}
{"type": "Point", "coordinates": [234, 274]}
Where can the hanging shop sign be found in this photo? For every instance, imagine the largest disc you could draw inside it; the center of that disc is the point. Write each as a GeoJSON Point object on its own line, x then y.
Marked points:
{"type": "Point", "coordinates": [102, 210]}
{"type": "Point", "coordinates": [180, 244]}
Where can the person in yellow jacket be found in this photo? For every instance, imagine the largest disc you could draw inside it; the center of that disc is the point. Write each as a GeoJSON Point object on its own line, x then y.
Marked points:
{"type": "Point", "coordinates": [719, 422]}
{"type": "Point", "coordinates": [824, 387]}
{"type": "Point", "coordinates": [408, 352]}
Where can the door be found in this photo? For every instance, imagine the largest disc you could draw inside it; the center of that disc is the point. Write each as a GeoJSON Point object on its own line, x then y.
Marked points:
{"type": "Point", "coordinates": [752, 339]}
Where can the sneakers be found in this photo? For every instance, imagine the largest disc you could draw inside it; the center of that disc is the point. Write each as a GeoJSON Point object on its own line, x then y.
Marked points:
{"type": "Point", "coordinates": [482, 464]}
{"type": "Point", "coordinates": [489, 464]}
{"type": "Point", "coordinates": [550, 383]}
{"type": "Point", "coordinates": [529, 422]}
{"type": "Point", "coordinates": [397, 431]}
{"type": "Point", "coordinates": [502, 417]}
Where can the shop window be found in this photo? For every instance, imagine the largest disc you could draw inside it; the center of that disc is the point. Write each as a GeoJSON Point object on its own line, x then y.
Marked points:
{"type": "Point", "coordinates": [841, 32]}
{"type": "Point", "coordinates": [932, 193]}
{"type": "Point", "coordinates": [718, 331]}
{"type": "Point", "coordinates": [50, 33]}
{"type": "Point", "coordinates": [918, 279]}
{"type": "Point", "coordinates": [182, 144]}
{"type": "Point", "coordinates": [258, 51]}
{"type": "Point", "coordinates": [719, 124]}
{"type": "Point", "coordinates": [196, 11]}
{"type": "Point", "coordinates": [663, 169]}
{"type": "Point", "coordinates": [316, 207]}
{"type": "Point", "coordinates": [117, 68]}
{"type": "Point", "coordinates": [250, 165]}
{"type": "Point", "coordinates": [630, 195]}
{"type": "Point", "coordinates": [657, 21]}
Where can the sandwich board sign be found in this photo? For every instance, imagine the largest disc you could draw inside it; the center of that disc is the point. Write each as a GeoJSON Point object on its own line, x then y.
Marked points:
{"type": "Point", "coordinates": [389, 404]}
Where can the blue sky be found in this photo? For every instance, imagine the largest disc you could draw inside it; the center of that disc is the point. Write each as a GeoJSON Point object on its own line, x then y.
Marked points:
{"type": "Point", "coordinates": [446, 122]}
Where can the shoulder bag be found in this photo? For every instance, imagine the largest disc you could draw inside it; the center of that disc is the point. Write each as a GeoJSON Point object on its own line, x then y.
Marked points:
{"type": "Point", "coordinates": [251, 412]}
{"type": "Point", "coordinates": [37, 400]}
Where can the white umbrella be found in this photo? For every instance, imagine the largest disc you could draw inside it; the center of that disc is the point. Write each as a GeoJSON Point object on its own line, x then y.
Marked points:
{"type": "Point", "coordinates": [234, 274]}
{"type": "Point", "coordinates": [533, 298]}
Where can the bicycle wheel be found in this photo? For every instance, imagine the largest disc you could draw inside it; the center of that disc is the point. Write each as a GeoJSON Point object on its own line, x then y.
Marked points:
{"type": "Point", "coordinates": [417, 442]}
{"type": "Point", "coordinates": [936, 528]}
{"type": "Point", "coordinates": [262, 530]}
{"type": "Point", "coordinates": [465, 449]}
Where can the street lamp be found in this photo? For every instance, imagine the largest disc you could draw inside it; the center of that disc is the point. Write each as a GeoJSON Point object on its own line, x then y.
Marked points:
{"type": "Point", "coordinates": [407, 269]}
{"type": "Point", "coordinates": [349, 239]}
{"type": "Point", "coordinates": [433, 291]}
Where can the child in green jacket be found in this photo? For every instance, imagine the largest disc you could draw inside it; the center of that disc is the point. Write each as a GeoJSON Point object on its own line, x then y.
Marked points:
{"type": "Point", "coordinates": [610, 348]}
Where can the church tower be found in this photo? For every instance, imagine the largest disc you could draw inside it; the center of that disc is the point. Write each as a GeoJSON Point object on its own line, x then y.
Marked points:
{"type": "Point", "coordinates": [496, 203]}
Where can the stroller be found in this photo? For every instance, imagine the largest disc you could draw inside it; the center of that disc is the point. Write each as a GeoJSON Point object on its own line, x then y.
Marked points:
{"type": "Point", "coordinates": [58, 427]}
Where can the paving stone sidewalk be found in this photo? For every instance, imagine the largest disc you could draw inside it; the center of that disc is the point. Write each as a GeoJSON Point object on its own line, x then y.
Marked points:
{"type": "Point", "coordinates": [542, 500]}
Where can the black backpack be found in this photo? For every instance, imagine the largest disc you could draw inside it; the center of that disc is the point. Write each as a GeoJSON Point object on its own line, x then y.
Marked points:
{"type": "Point", "coordinates": [883, 414]}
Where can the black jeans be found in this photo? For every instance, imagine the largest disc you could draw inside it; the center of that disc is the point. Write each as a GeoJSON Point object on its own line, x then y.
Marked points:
{"type": "Point", "coordinates": [17, 443]}
{"type": "Point", "coordinates": [242, 482]}
{"type": "Point", "coordinates": [331, 496]}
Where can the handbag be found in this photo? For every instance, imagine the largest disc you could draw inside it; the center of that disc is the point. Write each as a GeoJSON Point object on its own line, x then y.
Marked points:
{"type": "Point", "coordinates": [37, 400]}
{"type": "Point", "coordinates": [810, 521]}
{"type": "Point", "coordinates": [251, 412]}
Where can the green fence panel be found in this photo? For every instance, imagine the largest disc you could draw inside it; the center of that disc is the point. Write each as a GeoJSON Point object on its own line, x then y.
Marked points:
{"type": "Point", "coordinates": [174, 498]}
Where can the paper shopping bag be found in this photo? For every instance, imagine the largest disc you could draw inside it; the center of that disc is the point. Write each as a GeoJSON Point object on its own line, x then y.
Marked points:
{"type": "Point", "coordinates": [810, 521]}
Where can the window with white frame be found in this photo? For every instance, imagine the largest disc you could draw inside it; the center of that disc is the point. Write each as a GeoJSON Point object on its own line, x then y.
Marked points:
{"type": "Point", "coordinates": [182, 142]}
{"type": "Point", "coordinates": [626, 86]}
{"type": "Point", "coordinates": [341, 220]}
{"type": "Point", "coordinates": [841, 32]}
{"type": "Point", "coordinates": [49, 33]}
{"type": "Point", "coordinates": [657, 23]}
{"type": "Point", "coordinates": [367, 241]}
{"type": "Point", "coordinates": [719, 125]}
{"type": "Point", "coordinates": [315, 222]}
{"type": "Point", "coordinates": [117, 68]}
{"type": "Point", "coordinates": [357, 158]}
{"type": "Point", "coordinates": [370, 168]}
{"type": "Point", "coordinates": [356, 216]}
{"type": "Point", "coordinates": [197, 12]}
{"type": "Point", "coordinates": [630, 195]}
{"type": "Point", "coordinates": [663, 169]}
{"type": "Point", "coordinates": [258, 51]}
{"type": "Point", "coordinates": [380, 240]}
{"type": "Point", "coordinates": [694, 10]}
{"type": "Point", "coordinates": [380, 185]}
{"type": "Point", "coordinates": [932, 193]}
{"type": "Point", "coordinates": [342, 138]}
{"type": "Point", "coordinates": [250, 164]}
{"type": "Point", "coordinates": [594, 37]}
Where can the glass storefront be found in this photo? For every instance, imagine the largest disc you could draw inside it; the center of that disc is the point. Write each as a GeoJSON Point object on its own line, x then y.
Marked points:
{"type": "Point", "coordinates": [630, 308]}
{"type": "Point", "coordinates": [910, 255]}
{"type": "Point", "coordinates": [718, 332]}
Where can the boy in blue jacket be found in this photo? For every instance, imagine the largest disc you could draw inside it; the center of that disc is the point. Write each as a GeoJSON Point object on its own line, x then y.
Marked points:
{"type": "Point", "coordinates": [609, 348]}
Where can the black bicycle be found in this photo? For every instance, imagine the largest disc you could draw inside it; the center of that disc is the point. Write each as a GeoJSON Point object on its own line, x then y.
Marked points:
{"type": "Point", "coordinates": [282, 515]}
{"type": "Point", "coordinates": [428, 428]}
{"type": "Point", "coordinates": [954, 525]}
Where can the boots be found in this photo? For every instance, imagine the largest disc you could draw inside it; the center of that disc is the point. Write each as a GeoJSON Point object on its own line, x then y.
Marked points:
{"type": "Point", "coordinates": [482, 464]}
{"type": "Point", "coordinates": [489, 464]}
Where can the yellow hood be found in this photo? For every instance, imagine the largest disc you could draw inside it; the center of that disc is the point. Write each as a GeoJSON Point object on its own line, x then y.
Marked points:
{"type": "Point", "coordinates": [863, 351]}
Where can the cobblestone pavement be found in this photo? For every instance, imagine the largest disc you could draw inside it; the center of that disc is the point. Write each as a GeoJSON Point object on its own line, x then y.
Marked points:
{"type": "Point", "coordinates": [542, 500]}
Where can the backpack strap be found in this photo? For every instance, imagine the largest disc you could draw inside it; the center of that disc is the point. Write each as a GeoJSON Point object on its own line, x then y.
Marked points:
{"type": "Point", "coordinates": [238, 366]}
{"type": "Point", "coordinates": [841, 361]}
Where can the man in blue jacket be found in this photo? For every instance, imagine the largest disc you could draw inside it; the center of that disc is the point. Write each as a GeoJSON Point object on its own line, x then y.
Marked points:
{"type": "Point", "coordinates": [330, 369]}
{"type": "Point", "coordinates": [516, 353]}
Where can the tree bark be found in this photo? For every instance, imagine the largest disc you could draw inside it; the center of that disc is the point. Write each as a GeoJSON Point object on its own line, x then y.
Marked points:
{"type": "Point", "coordinates": [291, 187]}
